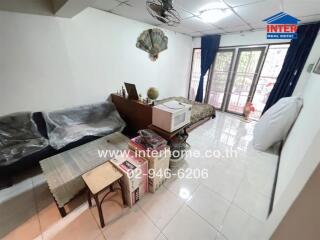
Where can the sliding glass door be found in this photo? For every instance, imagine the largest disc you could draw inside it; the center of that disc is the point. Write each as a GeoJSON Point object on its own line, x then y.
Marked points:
{"type": "Point", "coordinates": [239, 75]}
{"type": "Point", "coordinates": [270, 71]}
{"type": "Point", "coordinates": [219, 78]}
{"type": "Point", "coordinates": [245, 75]}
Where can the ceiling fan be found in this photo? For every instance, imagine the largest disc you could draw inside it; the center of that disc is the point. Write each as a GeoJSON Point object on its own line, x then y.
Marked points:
{"type": "Point", "coordinates": [163, 11]}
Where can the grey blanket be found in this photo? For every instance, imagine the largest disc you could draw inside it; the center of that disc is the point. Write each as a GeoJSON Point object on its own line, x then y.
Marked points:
{"type": "Point", "coordinates": [69, 125]}
{"type": "Point", "coordinates": [19, 137]}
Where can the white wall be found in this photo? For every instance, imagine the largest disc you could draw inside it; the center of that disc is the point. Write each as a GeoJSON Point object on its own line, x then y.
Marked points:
{"type": "Point", "coordinates": [306, 126]}
{"type": "Point", "coordinates": [50, 63]}
{"type": "Point", "coordinates": [239, 39]}
{"type": "Point", "coordinates": [300, 154]}
{"type": "Point", "coordinates": [301, 135]}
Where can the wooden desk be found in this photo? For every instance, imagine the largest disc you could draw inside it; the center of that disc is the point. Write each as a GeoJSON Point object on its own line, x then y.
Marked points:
{"type": "Point", "coordinates": [136, 114]}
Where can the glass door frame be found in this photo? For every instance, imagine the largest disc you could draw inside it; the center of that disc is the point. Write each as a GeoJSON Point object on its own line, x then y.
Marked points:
{"type": "Point", "coordinates": [257, 73]}
{"type": "Point", "coordinates": [263, 64]}
{"type": "Point", "coordinates": [233, 50]}
{"type": "Point", "coordinates": [230, 80]}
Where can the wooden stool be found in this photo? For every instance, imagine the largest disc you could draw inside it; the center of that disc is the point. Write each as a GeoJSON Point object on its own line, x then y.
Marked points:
{"type": "Point", "coordinates": [100, 179]}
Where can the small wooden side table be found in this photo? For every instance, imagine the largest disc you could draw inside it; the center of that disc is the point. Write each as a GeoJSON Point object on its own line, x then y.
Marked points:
{"type": "Point", "coordinates": [100, 179]}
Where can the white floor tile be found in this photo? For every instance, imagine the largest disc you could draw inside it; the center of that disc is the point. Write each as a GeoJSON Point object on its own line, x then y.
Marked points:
{"type": "Point", "coordinates": [253, 230]}
{"type": "Point", "coordinates": [261, 172]}
{"type": "Point", "coordinates": [133, 225]}
{"type": "Point", "coordinates": [250, 200]}
{"type": "Point", "coordinates": [209, 205]}
{"type": "Point", "coordinates": [238, 225]}
{"type": "Point", "coordinates": [187, 225]}
{"type": "Point", "coordinates": [224, 181]}
{"type": "Point", "coordinates": [160, 206]}
{"type": "Point", "coordinates": [234, 223]}
{"type": "Point", "coordinates": [220, 237]}
{"type": "Point", "coordinates": [182, 187]}
{"type": "Point", "coordinates": [161, 237]}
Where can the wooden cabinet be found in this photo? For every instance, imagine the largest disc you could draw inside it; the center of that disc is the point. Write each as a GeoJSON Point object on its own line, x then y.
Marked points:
{"type": "Point", "coordinates": [136, 114]}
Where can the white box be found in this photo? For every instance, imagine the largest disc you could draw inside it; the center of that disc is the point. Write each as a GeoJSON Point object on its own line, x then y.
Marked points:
{"type": "Point", "coordinates": [158, 163]}
{"type": "Point", "coordinates": [171, 115]}
{"type": "Point", "coordinates": [160, 167]}
{"type": "Point", "coordinates": [135, 176]}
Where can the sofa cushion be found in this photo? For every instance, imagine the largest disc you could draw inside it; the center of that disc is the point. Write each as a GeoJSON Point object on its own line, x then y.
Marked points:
{"type": "Point", "coordinates": [275, 123]}
{"type": "Point", "coordinates": [69, 125]}
{"type": "Point", "coordinates": [19, 137]}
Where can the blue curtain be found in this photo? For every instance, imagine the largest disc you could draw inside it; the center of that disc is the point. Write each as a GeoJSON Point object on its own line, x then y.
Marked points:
{"type": "Point", "coordinates": [209, 49]}
{"type": "Point", "coordinates": [293, 64]}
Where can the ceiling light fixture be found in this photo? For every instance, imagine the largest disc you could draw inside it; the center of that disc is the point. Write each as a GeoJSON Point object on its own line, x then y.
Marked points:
{"type": "Point", "coordinates": [214, 15]}
{"type": "Point", "coordinates": [214, 12]}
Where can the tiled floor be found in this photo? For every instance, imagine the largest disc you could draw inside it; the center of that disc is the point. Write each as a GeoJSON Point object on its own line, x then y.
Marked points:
{"type": "Point", "coordinates": [231, 204]}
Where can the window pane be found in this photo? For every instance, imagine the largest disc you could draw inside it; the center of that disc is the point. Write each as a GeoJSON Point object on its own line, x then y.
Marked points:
{"type": "Point", "coordinates": [219, 78]}
{"type": "Point", "coordinates": [247, 65]}
{"type": "Point", "coordinates": [270, 71]}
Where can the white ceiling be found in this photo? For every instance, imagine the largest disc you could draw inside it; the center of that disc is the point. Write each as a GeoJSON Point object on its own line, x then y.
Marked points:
{"type": "Point", "coordinates": [247, 15]}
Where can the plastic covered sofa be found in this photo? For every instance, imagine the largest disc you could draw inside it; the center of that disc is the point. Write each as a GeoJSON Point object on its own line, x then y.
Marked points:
{"type": "Point", "coordinates": [70, 125]}
{"type": "Point", "coordinates": [33, 133]}
{"type": "Point", "coordinates": [19, 137]}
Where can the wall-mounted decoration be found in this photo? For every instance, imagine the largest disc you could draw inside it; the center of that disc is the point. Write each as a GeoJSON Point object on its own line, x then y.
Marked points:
{"type": "Point", "coordinates": [163, 11]}
{"type": "Point", "coordinates": [152, 41]}
{"type": "Point", "coordinates": [317, 67]}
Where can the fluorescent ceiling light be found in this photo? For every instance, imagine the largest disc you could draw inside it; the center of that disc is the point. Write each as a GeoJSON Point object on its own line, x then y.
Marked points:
{"type": "Point", "coordinates": [214, 15]}
{"type": "Point", "coordinates": [214, 12]}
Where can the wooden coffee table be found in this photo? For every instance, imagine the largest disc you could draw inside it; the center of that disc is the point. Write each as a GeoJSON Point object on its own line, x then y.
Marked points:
{"type": "Point", "coordinates": [100, 179]}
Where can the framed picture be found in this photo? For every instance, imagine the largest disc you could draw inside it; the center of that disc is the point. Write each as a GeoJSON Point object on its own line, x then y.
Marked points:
{"type": "Point", "coordinates": [317, 67]}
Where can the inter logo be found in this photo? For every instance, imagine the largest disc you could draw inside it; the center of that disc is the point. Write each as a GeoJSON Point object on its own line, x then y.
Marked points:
{"type": "Point", "coordinates": [282, 26]}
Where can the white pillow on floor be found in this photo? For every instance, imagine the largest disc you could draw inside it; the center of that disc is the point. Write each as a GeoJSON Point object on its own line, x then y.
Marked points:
{"type": "Point", "coordinates": [276, 122]}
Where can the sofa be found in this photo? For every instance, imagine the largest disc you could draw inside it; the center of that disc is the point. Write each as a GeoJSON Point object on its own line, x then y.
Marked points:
{"type": "Point", "coordinates": [27, 138]}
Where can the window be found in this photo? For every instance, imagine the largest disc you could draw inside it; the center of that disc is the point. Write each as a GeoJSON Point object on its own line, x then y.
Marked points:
{"type": "Point", "coordinates": [270, 71]}
{"type": "Point", "coordinates": [245, 73]}
{"type": "Point", "coordinates": [220, 76]}
{"type": "Point", "coordinates": [239, 75]}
